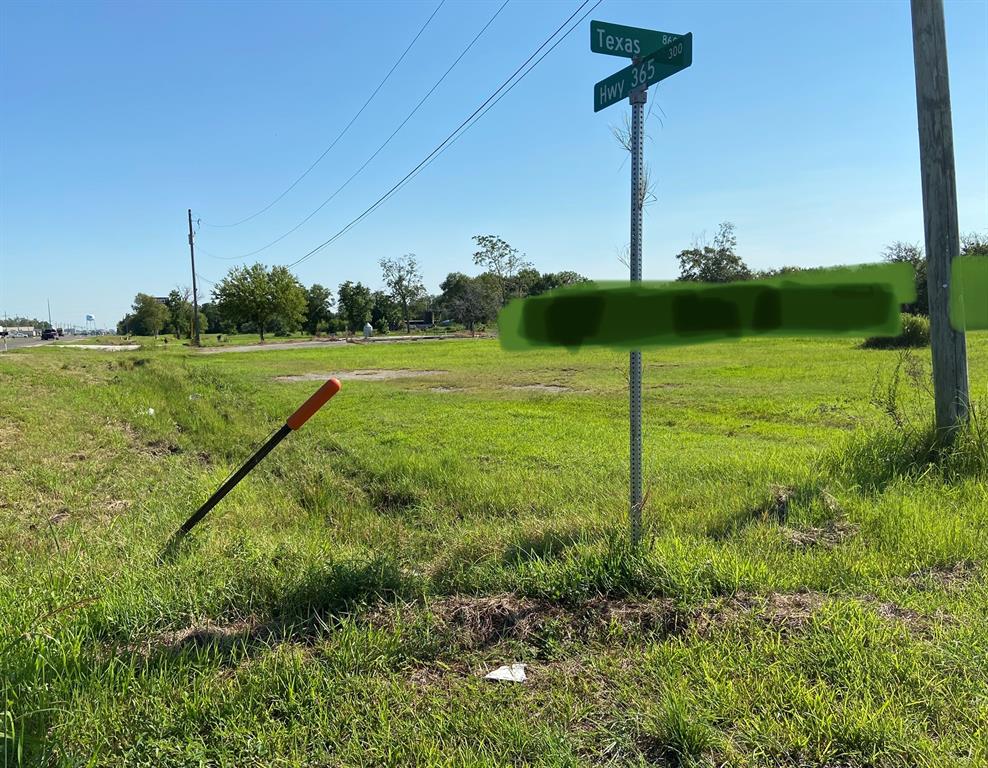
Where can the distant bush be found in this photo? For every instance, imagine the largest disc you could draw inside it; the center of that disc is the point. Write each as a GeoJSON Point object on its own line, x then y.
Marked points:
{"type": "Point", "coordinates": [915, 333]}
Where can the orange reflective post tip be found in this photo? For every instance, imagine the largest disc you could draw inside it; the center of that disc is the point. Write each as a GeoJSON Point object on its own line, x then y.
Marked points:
{"type": "Point", "coordinates": [314, 403]}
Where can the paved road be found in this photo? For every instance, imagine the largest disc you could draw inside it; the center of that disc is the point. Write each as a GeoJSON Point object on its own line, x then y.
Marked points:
{"type": "Point", "coordinates": [13, 343]}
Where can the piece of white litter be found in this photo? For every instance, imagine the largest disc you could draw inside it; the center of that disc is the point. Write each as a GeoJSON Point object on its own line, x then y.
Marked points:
{"type": "Point", "coordinates": [513, 673]}
{"type": "Point", "coordinates": [150, 411]}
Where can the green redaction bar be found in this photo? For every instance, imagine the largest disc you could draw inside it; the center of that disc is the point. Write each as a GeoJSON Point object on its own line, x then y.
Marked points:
{"type": "Point", "coordinates": [969, 293]}
{"type": "Point", "coordinates": [860, 301]}
{"type": "Point", "coordinates": [653, 68]}
{"type": "Point", "coordinates": [630, 42]}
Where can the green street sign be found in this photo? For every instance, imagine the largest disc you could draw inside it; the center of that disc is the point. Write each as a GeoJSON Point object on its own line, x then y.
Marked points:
{"type": "Point", "coordinates": [630, 42]}
{"type": "Point", "coordinates": [654, 67]}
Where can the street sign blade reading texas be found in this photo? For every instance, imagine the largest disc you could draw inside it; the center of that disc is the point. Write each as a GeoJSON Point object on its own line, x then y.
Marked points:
{"type": "Point", "coordinates": [630, 42]}
{"type": "Point", "coordinates": [653, 68]}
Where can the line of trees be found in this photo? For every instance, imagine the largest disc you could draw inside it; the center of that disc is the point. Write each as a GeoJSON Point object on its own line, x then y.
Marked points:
{"type": "Point", "coordinates": [23, 322]}
{"type": "Point", "coordinates": [265, 300]}
{"type": "Point", "coordinates": [271, 300]}
{"type": "Point", "coordinates": [719, 262]}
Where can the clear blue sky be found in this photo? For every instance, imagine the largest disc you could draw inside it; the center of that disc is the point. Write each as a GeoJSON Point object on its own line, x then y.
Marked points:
{"type": "Point", "coordinates": [797, 121]}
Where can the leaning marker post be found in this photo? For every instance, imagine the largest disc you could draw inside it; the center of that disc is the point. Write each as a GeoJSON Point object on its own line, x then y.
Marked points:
{"type": "Point", "coordinates": [655, 56]}
{"type": "Point", "coordinates": [294, 422]}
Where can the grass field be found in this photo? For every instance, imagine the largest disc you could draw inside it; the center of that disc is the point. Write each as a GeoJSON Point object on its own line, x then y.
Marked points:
{"type": "Point", "coordinates": [812, 589]}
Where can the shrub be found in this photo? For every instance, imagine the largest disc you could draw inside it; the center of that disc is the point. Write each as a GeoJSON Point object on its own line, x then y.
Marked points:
{"type": "Point", "coordinates": [915, 333]}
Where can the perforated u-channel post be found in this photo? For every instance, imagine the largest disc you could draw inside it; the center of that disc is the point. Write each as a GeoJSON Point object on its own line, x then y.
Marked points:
{"type": "Point", "coordinates": [638, 99]}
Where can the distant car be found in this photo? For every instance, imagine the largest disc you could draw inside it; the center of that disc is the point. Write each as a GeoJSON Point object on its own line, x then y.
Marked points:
{"type": "Point", "coordinates": [20, 335]}
{"type": "Point", "coordinates": [48, 334]}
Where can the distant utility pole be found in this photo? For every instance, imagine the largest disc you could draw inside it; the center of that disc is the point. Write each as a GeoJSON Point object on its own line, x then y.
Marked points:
{"type": "Point", "coordinates": [195, 298]}
{"type": "Point", "coordinates": [49, 314]}
{"type": "Point", "coordinates": [936, 159]}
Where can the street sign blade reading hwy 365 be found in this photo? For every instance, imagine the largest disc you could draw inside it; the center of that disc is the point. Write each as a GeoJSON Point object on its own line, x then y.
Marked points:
{"type": "Point", "coordinates": [651, 69]}
{"type": "Point", "coordinates": [630, 42]}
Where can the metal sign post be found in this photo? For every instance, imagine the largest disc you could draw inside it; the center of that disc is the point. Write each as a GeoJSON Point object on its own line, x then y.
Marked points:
{"type": "Point", "coordinates": [638, 99]}
{"type": "Point", "coordinates": [654, 56]}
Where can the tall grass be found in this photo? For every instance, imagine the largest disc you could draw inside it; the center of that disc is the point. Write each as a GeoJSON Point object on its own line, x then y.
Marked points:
{"type": "Point", "coordinates": [322, 614]}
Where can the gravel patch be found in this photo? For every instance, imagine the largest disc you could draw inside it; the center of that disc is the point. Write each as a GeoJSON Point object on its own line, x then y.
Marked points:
{"type": "Point", "coordinates": [368, 375]}
{"type": "Point", "coordinates": [554, 389]}
{"type": "Point", "coordinates": [102, 347]}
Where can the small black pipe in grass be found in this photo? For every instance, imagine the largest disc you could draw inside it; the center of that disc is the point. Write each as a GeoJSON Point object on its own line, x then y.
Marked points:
{"type": "Point", "coordinates": [295, 421]}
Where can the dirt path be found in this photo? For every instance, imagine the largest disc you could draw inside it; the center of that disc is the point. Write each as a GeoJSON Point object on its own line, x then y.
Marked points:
{"type": "Point", "coordinates": [276, 345]}
{"type": "Point", "coordinates": [366, 375]}
{"type": "Point", "coordinates": [102, 347]}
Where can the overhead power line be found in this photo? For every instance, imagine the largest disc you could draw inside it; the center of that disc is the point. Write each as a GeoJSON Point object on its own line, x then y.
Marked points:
{"type": "Point", "coordinates": [342, 133]}
{"type": "Point", "coordinates": [490, 106]}
{"type": "Point", "coordinates": [387, 141]}
{"type": "Point", "coordinates": [462, 127]}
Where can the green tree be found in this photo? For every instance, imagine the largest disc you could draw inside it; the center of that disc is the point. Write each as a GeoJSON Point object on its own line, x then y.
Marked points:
{"type": "Point", "coordinates": [524, 282]}
{"type": "Point", "coordinates": [212, 320]}
{"type": "Point", "coordinates": [470, 300]}
{"type": "Point", "coordinates": [179, 312]}
{"type": "Point", "coordinates": [385, 312]}
{"type": "Point", "coordinates": [261, 296]}
{"type": "Point", "coordinates": [19, 321]}
{"type": "Point", "coordinates": [319, 307]}
{"type": "Point", "coordinates": [778, 272]}
{"type": "Point", "coordinates": [912, 254]}
{"type": "Point", "coordinates": [974, 244]}
{"type": "Point", "coordinates": [125, 326]}
{"type": "Point", "coordinates": [502, 261]}
{"type": "Point", "coordinates": [719, 263]}
{"type": "Point", "coordinates": [355, 304]}
{"type": "Point", "coordinates": [548, 281]}
{"type": "Point", "coordinates": [404, 282]}
{"type": "Point", "coordinates": [149, 315]}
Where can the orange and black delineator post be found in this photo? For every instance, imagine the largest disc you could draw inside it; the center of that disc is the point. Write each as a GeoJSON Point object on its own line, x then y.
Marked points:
{"type": "Point", "coordinates": [295, 421]}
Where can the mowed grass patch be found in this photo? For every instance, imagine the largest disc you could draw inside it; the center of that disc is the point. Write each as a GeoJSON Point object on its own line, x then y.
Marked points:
{"type": "Point", "coordinates": [811, 589]}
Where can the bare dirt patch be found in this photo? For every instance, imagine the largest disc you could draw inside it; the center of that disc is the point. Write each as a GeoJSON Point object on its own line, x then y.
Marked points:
{"type": "Point", "coordinates": [117, 506]}
{"type": "Point", "coordinates": [102, 347]}
{"type": "Point", "coordinates": [200, 635]}
{"type": "Point", "coordinates": [952, 576]}
{"type": "Point", "coordinates": [914, 621]}
{"type": "Point", "coordinates": [834, 534]}
{"type": "Point", "coordinates": [475, 623]}
{"type": "Point", "coordinates": [363, 375]}
{"type": "Point", "coordinates": [788, 612]}
{"type": "Point", "coordinates": [552, 389]}
{"type": "Point", "coordinates": [267, 346]}
{"type": "Point", "coordinates": [445, 390]}
{"type": "Point", "coordinates": [782, 496]}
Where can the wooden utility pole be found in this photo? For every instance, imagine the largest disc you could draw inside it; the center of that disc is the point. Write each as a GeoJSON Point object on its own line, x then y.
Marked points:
{"type": "Point", "coordinates": [936, 157]}
{"type": "Point", "coordinates": [195, 298]}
